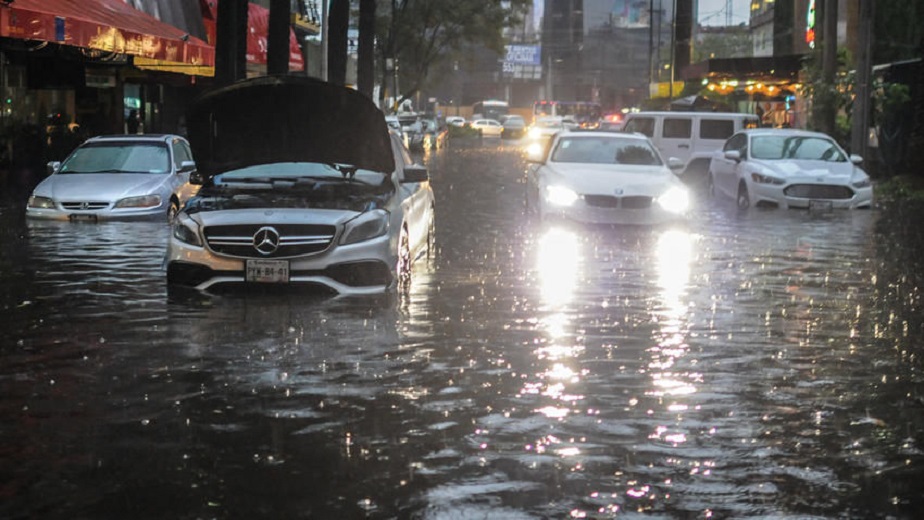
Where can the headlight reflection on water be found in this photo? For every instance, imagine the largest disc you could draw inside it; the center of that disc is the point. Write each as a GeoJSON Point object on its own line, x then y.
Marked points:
{"type": "Point", "coordinates": [558, 265]}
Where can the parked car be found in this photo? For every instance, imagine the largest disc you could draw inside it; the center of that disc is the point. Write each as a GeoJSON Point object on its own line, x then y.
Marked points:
{"type": "Point", "coordinates": [786, 168]}
{"type": "Point", "coordinates": [290, 199]}
{"type": "Point", "coordinates": [455, 121]}
{"type": "Point", "coordinates": [605, 178]}
{"type": "Point", "coordinates": [514, 126]}
{"type": "Point", "coordinates": [690, 136]}
{"type": "Point", "coordinates": [488, 127]}
{"type": "Point", "coordinates": [117, 177]}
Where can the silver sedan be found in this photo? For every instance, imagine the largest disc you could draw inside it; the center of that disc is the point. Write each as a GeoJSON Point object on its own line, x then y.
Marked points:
{"type": "Point", "coordinates": [117, 177]}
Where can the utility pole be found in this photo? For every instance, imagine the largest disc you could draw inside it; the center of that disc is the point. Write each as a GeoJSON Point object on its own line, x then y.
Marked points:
{"type": "Point", "coordinates": [827, 114]}
{"type": "Point", "coordinates": [859, 132]}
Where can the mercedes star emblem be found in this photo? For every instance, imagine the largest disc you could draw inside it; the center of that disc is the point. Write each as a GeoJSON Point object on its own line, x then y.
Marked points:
{"type": "Point", "coordinates": [266, 240]}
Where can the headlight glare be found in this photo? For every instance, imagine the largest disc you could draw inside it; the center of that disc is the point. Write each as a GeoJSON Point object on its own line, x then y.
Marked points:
{"type": "Point", "coordinates": [560, 196]}
{"type": "Point", "coordinates": [675, 200]}
{"type": "Point", "coordinates": [39, 202]}
{"type": "Point", "coordinates": [144, 201]}
{"type": "Point", "coordinates": [366, 226]}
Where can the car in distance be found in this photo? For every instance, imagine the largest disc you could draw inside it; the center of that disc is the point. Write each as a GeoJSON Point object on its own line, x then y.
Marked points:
{"type": "Point", "coordinates": [289, 199]}
{"type": "Point", "coordinates": [788, 168]}
{"type": "Point", "coordinates": [604, 178]}
{"type": "Point", "coordinates": [487, 127]}
{"type": "Point", "coordinates": [455, 121]}
{"type": "Point", "coordinates": [117, 177]}
{"type": "Point", "coordinates": [514, 126]}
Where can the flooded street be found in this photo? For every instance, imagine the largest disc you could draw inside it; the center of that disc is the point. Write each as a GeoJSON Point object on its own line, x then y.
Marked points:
{"type": "Point", "coordinates": [760, 364]}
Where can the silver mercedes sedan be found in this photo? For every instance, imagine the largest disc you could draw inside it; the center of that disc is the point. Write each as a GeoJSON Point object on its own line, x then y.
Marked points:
{"type": "Point", "coordinates": [117, 177]}
{"type": "Point", "coordinates": [303, 185]}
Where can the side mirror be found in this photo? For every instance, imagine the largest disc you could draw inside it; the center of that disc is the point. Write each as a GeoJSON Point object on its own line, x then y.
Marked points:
{"type": "Point", "coordinates": [196, 178]}
{"type": "Point", "coordinates": [53, 167]}
{"type": "Point", "coordinates": [187, 166]}
{"type": "Point", "coordinates": [733, 155]}
{"type": "Point", "coordinates": [415, 173]}
{"type": "Point", "coordinates": [674, 163]}
{"type": "Point", "coordinates": [856, 159]}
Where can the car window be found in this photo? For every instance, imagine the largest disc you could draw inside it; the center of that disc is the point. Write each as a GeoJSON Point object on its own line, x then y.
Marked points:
{"type": "Point", "coordinates": [118, 157]}
{"type": "Point", "coordinates": [716, 128]}
{"type": "Point", "coordinates": [736, 142]}
{"type": "Point", "coordinates": [675, 128]}
{"type": "Point", "coordinates": [795, 147]}
{"type": "Point", "coordinates": [605, 150]}
{"type": "Point", "coordinates": [181, 153]}
{"type": "Point", "coordinates": [642, 125]}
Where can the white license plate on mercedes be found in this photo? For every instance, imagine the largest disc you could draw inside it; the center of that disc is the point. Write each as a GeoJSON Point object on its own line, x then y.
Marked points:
{"type": "Point", "coordinates": [267, 271]}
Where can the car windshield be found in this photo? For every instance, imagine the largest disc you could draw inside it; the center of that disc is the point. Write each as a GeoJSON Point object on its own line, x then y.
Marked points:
{"type": "Point", "coordinates": [605, 150]}
{"type": "Point", "coordinates": [783, 147]}
{"type": "Point", "coordinates": [118, 157]}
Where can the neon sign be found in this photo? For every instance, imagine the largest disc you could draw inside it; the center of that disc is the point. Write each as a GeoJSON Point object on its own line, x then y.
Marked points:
{"type": "Point", "coordinates": [810, 25]}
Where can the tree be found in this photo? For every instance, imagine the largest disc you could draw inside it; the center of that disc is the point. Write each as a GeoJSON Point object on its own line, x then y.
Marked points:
{"type": "Point", "coordinates": [416, 36]}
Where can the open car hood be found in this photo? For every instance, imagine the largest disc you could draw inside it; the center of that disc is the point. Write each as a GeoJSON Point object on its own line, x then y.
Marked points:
{"type": "Point", "coordinates": [273, 119]}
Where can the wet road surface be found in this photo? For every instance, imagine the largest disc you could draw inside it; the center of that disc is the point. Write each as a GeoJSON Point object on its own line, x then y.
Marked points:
{"type": "Point", "coordinates": [765, 364]}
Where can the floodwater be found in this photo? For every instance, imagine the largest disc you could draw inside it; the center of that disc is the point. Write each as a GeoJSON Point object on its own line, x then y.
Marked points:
{"type": "Point", "coordinates": [765, 364]}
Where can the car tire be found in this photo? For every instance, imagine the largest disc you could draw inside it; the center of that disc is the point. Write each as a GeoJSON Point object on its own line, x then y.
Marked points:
{"type": "Point", "coordinates": [710, 185]}
{"type": "Point", "coordinates": [173, 210]}
{"type": "Point", "coordinates": [403, 269]}
{"type": "Point", "coordinates": [744, 199]}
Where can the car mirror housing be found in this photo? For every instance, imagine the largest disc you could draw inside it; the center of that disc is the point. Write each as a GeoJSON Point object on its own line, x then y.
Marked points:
{"type": "Point", "coordinates": [53, 167]}
{"type": "Point", "coordinates": [674, 163]}
{"type": "Point", "coordinates": [733, 155]}
{"type": "Point", "coordinates": [416, 173]}
{"type": "Point", "coordinates": [187, 166]}
{"type": "Point", "coordinates": [856, 159]}
{"type": "Point", "coordinates": [196, 178]}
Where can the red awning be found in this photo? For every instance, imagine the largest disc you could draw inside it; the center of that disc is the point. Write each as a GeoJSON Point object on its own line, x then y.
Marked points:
{"type": "Point", "coordinates": [106, 25]}
{"type": "Point", "coordinates": [257, 33]}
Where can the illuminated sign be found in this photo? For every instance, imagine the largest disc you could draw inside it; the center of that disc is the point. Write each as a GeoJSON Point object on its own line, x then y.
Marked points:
{"type": "Point", "coordinates": [810, 25]}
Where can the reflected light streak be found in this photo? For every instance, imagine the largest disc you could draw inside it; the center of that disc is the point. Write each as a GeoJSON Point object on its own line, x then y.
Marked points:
{"type": "Point", "coordinates": [673, 256]}
{"type": "Point", "coordinates": [558, 264]}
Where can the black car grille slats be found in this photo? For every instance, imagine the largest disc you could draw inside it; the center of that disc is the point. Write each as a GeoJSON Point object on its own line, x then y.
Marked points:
{"type": "Point", "coordinates": [818, 191]}
{"type": "Point", "coordinates": [294, 239]}
{"type": "Point", "coordinates": [610, 202]}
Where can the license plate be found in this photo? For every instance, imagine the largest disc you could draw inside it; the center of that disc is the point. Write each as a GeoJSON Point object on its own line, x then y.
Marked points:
{"type": "Point", "coordinates": [82, 217]}
{"type": "Point", "coordinates": [821, 205]}
{"type": "Point", "coordinates": [267, 271]}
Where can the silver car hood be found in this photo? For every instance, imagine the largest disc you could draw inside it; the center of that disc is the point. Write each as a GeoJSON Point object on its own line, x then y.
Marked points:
{"type": "Point", "coordinates": [99, 186]}
{"type": "Point", "coordinates": [334, 217]}
{"type": "Point", "coordinates": [821, 170]}
{"type": "Point", "coordinates": [602, 179]}
{"type": "Point", "coordinates": [273, 119]}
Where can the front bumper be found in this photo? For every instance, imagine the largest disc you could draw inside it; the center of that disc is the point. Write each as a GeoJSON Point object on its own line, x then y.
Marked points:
{"type": "Point", "coordinates": [782, 196]}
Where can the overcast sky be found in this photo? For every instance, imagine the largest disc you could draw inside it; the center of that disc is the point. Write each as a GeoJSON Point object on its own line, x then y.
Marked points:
{"type": "Point", "coordinates": [712, 12]}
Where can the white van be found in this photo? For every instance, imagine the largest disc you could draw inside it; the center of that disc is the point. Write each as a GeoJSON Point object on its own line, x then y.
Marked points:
{"type": "Point", "coordinates": [689, 136]}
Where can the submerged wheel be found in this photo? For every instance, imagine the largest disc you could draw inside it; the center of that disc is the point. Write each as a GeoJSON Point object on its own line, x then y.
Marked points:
{"type": "Point", "coordinates": [744, 200]}
{"type": "Point", "coordinates": [403, 270]}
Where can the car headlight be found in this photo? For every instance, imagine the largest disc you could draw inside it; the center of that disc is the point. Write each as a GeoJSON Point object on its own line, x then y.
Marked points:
{"type": "Point", "coordinates": [39, 202]}
{"type": "Point", "coordinates": [185, 230]}
{"type": "Point", "coordinates": [366, 226]}
{"type": "Point", "coordinates": [862, 183]}
{"type": "Point", "coordinates": [535, 133]}
{"type": "Point", "coordinates": [760, 178]}
{"type": "Point", "coordinates": [675, 200]}
{"type": "Point", "coordinates": [560, 196]}
{"type": "Point", "coordinates": [145, 201]}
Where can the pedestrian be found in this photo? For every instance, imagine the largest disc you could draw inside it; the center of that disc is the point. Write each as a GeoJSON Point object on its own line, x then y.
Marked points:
{"type": "Point", "coordinates": [133, 123]}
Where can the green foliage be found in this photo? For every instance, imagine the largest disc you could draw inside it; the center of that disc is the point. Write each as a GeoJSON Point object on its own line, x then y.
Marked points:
{"type": "Point", "coordinates": [423, 35]}
{"type": "Point", "coordinates": [900, 188]}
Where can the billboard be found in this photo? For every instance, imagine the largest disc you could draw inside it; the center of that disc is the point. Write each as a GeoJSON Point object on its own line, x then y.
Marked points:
{"type": "Point", "coordinates": [523, 61]}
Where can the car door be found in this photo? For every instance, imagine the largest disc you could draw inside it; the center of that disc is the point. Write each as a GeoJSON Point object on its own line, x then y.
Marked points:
{"type": "Point", "coordinates": [725, 170]}
{"type": "Point", "coordinates": [415, 203]}
{"type": "Point", "coordinates": [182, 153]}
{"type": "Point", "coordinates": [676, 137]}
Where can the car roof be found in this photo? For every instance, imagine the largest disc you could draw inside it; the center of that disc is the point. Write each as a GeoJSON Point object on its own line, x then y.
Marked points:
{"type": "Point", "coordinates": [681, 113]}
{"type": "Point", "coordinates": [141, 138]}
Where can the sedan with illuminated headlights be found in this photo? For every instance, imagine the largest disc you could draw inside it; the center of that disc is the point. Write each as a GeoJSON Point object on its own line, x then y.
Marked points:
{"type": "Point", "coordinates": [604, 178]}
{"type": "Point", "coordinates": [290, 200]}
{"type": "Point", "coordinates": [117, 177]}
{"type": "Point", "coordinates": [788, 168]}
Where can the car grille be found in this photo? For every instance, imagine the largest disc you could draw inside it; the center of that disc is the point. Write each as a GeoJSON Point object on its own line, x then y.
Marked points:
{"type": "Point", "coordinates": [609, 201]}
{"type": "Point", "coordinates": [84, 205]}
{"type": "Point", "coordinates": [818, 191]}
{"type": "Point", "coordinates": [294, 239]}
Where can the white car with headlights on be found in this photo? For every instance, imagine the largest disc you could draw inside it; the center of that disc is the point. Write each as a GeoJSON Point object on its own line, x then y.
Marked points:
{"type": "Point", "coordinates": [787, 168]}
{"type": "Point", "coordinates": [605, 178]}
{"type": "Point", "coordinates": [117, 177]}
{"type": "Point", "coordinates": [303, 185]}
